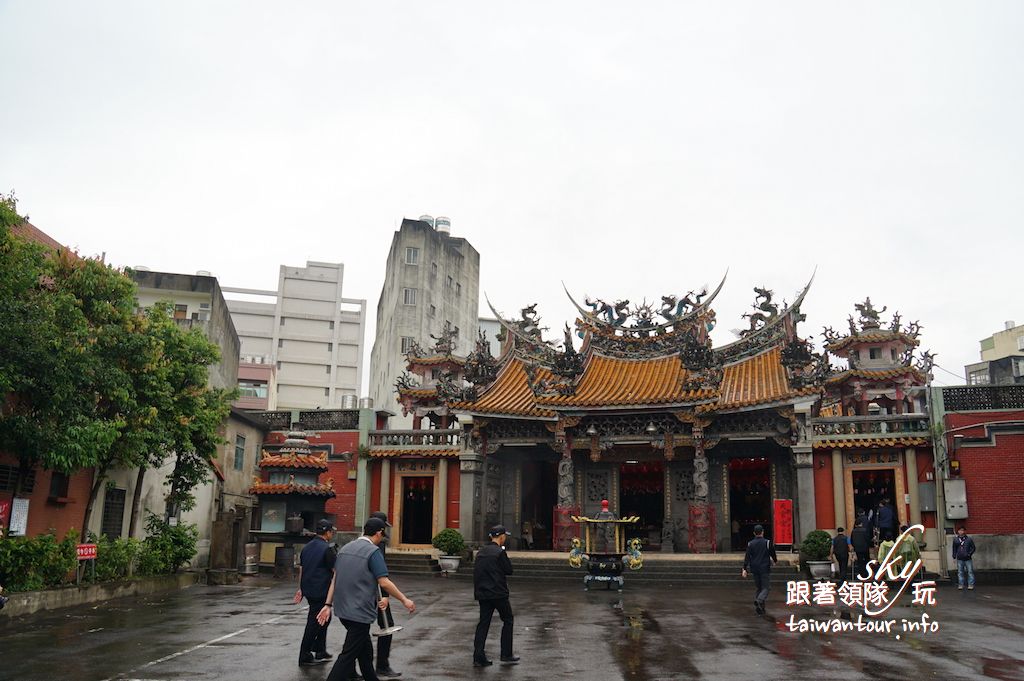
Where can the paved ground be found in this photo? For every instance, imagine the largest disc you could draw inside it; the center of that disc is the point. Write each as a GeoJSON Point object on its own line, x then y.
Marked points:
{"type": "Point", "coordinates": [250, 633]}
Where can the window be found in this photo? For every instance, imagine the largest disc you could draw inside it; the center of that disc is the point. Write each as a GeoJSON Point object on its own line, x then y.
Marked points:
{"type": "Point", "coordinates": [239, 452]}
{"type": "Point", "coordinates": [330, 347]}
{"type": "Point", "coordinates": [252, 389]}
{"type": "Point", "coordinates": [450, 281]}
{"type": "Point", "coordinates": [279, 364]}
{"type": "Point", "coordinates": [330, 325]}
{"type": "Point", "coordinates": [1020, 342]}
{"type": "Point", "coordinates": [409, 296]}
{"type": "Point", "coordinates": [280, 342]}
{"type": "Point", "coordinates": [458, 289]}
{"type": "Point", "coordinates": [113, 513]}
{"type": "Point", "coordinates": [412, 256]}
{"type": "Point", "coordinates": [181, 311]}
{"type": "Point", "coordinates": [875, 353]}
{"type": "Point", "coordinates": [9, 478]}
{"type": "Point", "coordinates": [892, 351]}
{"type": "Point", "coordinates": [282, 321]}
{"type": "Point", "coordinates": [204, 311]}
{"type": "Point", "coordinates": [433, 269]}
{"type": "Point", "coordinates": [407, 342]}
{"type": "Point", "coordinates": [979, 377]}
{"type": "Point", "coordinates": [58, 485]}
{"type": "Point", "coordinates": [327, 392]}
{"type": "Point", "coordinates": [433, 311]}
{"type": "Point", "coordinates": [435, 374]}
{"type": "Point", "coordinates": [328, 368]}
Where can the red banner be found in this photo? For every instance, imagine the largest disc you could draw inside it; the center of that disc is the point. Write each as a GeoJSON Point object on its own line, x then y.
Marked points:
{"type": "Point", "coordinates": [782, 522]}
{"type": "Point", "coordinates": [86, 552]}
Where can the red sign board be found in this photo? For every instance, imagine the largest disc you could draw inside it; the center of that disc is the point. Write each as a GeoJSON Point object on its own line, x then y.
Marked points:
{"type": "Point", "coordinates": [86, 552]}
{"type": "Point", "coordinates": [782, 525]}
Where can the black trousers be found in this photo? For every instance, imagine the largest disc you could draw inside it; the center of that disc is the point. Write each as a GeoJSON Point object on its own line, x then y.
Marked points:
{"type": "Point", "coordinates": [314, 638]}
{"type": "Point", "coordinates": [487, 608]}
{"type": "Point", "coordinates": [357, 647]}
{"type": "Point", "coordinates": [384, 619]}
{"type": "Point", "coordinates": [762, 582]}
{"type": "Point", "coordinates": [843, 564]}
{"type": "Point", "coordinates": [860, 565]}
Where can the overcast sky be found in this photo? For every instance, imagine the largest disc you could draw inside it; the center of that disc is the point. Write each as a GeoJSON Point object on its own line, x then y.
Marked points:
{"type": "Point", "coordinates": [629, 151]}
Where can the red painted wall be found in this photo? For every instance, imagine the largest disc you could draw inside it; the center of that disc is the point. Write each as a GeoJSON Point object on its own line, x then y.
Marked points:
{"type": "Point", "coordinates": [375, 485]}
{"type": "Point", "coordinates": [452, 513]}
{"type": "Point", "coordinates": [45, 516]}
{"type": "Point", "coordinates": [995, 497]}
{"type": "Point", "coordinates": [824, 491]}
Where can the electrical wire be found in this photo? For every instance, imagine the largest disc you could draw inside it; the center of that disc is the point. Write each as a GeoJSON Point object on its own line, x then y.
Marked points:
{"type": "Point", "coordinates": [958, 376]}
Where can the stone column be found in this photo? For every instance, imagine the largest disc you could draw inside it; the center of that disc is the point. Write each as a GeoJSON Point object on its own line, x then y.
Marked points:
{"type": "Point", "coordinates": [702, 524]}
{"type": "Point", "coordinates": [385, 486]}
{"type": "Point", "coordinates": [363, 483]}
{"type": "Point", "coordinates": [839, 490]}
{"type": "Point", "coordinates": [803, 461]}
{"type": "Point", "coordinates": [915, 499]}
{"type": "Point", "coordinates": [471, 473]}
{"type": "Point", "coordinates": [442, 494]}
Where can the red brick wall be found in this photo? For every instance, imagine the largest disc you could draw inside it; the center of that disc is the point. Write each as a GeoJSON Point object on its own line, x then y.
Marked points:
{"type": "Point", "coordinates": [995, 497]}
{"type": "Point", "coordinates": [925, 464]}
{"type": "Point", "coordinates": [46, 516]}
{"type": "Point", "coordinates": [824, 491]}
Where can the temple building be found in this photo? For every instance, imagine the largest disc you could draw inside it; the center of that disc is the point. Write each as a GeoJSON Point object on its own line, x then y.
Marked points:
{"type": "Point", "coordinates": [635, 405]}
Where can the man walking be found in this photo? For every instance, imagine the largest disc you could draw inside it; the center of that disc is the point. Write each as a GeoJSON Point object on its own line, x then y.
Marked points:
{"type": "Point", "coordinates": [860, 540]}
{"type": "Point", "coordinates": [316, 572]}
{"type": "Point", "coordinates": [841, 553]}
{"type": "Point", "coordinates": [886, 521]}
{"type": "Point", "coordinates": [384, 617]}
{"type": "Point", "coordinates": [355, 596]}
{"type": "Point", "coordinates": [490, 588]}
{"type": "Point", "coordinates": [758, 561]}
{"type": "Point", "coordinates": [963, 553]}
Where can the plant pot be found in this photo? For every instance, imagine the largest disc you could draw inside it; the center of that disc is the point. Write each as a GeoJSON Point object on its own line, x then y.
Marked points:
{"type": "Point", "coordinates": [820, 569]}
{"type": "Point", "coordinates": [448, 563]}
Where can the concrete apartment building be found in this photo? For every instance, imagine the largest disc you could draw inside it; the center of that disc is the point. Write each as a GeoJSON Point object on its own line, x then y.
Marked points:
{"type": "Point", "coordinates": [431, 278]}
{"type": "Point", "coordinates": [1002, 358]}
{"type": "Point", "coordinates": [307, 331]}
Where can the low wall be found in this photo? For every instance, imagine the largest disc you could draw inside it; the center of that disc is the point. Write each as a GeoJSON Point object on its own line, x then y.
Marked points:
{"type": "Point", "coordinates": [31, 602]}
{"type": "Point", "coordinates": [994, 551]}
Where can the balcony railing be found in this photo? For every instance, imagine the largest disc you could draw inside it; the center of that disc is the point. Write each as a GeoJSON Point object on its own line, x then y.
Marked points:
{"type": "Point", "coordinates": [857, 427]}
{"type": "Point", "coordinates": [415, 438]}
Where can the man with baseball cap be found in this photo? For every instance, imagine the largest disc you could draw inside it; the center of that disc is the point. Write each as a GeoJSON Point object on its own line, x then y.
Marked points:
{"type": "Point", "coordinates": [355, 596]}
{"type": "Point", "coordinates": [384, 618]}
{"type": "Point", "coordinates": [316, 572]}
{"type": "Point", "coordinates": [490, 588]}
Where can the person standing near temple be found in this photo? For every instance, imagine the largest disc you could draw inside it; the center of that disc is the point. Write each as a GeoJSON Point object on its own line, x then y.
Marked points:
{"type": "Point", "coordinates": [860, 540]}
{"type": "Point", "coordinates": [490, 588]}
{"type": "Point", "coordinates": [886, 521]}
{"type": "Point", "coordinates": [316, 572]}
{"type": "Point", "coordinates": [963, 554]}
{"type": "Point", "coordinates": [360, 574]}
{"type": "Point", "coordinates": [841, 553]}
{"type": "Point", "coordinates": [384, 617]}
{"type": "Point", "coordinates": [758, 561]}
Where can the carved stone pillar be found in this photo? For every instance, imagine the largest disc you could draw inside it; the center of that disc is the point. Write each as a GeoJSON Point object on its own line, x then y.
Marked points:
{"type": "Point", "coordinates": [702, 521]}
{"type": "Point", "coordinates": [471, 473]}
{"type": "Point", "coordinates": [803, 461]}
{"type": "Point", "coordinates": [839, 490]}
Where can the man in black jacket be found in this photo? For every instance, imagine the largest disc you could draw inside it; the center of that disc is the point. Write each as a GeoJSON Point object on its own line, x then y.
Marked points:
{"type": "Point", "coordinates": [384, 617]}
{"type": "Point", "coordinates": [860, 540]}
{"type": "Point", "coordinates": [316, 572]}
{"type": "Point", "coordinates": [491, 588]}
{"type": "Point", "coordinates": [758, 561]}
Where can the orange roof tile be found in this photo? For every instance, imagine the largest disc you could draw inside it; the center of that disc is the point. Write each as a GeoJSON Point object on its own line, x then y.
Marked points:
{"type": "Point", "coordinates": [509, 394]}
{"type": "Point", "coordinates": [318, 462]}
{"type": "Point", "coordinates": [417, 392]}
{"type": "Point", "coordinates": [880, 336]}
{"type": "Point", "coordinates": [871, 442]}
{"type": "Point", "coordinates": [876, 374]}
{"type": "Point", "coordinates": [318, 490]}
{"type": "Point", "coordinates": [757, 380]}
{"type": "Point", "coordinates": [388, 453]}
{"type": "Point", "coordinates": [609, 381]}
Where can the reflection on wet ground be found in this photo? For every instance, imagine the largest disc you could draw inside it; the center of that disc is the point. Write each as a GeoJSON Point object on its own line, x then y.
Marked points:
{"type": "Point", "coordinates": [650, 633]}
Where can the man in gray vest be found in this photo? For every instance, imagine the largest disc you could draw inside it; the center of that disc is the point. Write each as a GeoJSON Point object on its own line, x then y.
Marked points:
{"type": "Point", "coordinates": [359, 574]}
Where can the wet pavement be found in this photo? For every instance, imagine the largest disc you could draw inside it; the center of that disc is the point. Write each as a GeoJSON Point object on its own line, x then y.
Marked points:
{"type": "Point", "coordinates": [251, 632]}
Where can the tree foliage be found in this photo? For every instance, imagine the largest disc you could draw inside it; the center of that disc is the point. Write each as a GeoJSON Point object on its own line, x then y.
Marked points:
{"type": "Point", "coordinates": [90, 381]}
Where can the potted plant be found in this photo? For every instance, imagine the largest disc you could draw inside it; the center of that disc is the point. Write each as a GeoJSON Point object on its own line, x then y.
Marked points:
{"type": "Point", "coordinates": [451, 545]}
{"type": "Point", "coordinates": [815, 550]}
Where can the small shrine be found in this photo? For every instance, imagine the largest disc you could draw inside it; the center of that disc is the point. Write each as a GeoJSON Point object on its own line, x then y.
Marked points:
{"type": "Point", "coordinates": [431, 375]}
{"type": "Point", "coordinates": [604, 549]}
{"type": "Point", "coordinates": [291, 496]}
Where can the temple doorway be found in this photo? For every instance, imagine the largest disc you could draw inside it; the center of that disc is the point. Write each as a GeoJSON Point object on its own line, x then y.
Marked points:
{"type": "Point", "coordinates": [869, 488]}
{"type": "Point", "coordinates": [642, 493]}
{"type": "Point", "coordinates": [540, 496]}
{"type": "Point", "coordinates": [750, 499]}
{"type": "Point", "coordinates": [417, 509]}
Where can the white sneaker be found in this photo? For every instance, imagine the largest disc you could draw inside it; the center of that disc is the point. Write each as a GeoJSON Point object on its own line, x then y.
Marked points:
{"type": "Point", "coordinates": [960, 587]}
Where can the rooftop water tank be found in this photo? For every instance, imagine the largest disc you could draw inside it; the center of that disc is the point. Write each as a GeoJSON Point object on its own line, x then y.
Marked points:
{"type": "Point", "coordinates": [443, 225]}
{"type": "Point", "coordinates": [141, 268]}
{"type": "Point", "coordinates": [429, 219]}
{"type": "Point", "coordinates": [203, 273]}
{"type": "Point", "coordinates": [366, 403]}
{"type": "Point", "coordinates": [1009, 323]}
{"type": "Point", "coordinates": [349, 401]}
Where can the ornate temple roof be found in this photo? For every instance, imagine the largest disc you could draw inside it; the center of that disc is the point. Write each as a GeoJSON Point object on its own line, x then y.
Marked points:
{"type": "Point", "coordinates": [428, 452]}
{"type": "Point", "coordinates": [305, 461]}
{"type": "Point", "coordinates": [321, 489]}
{"type": "Point", "coordinates": [877, 336]}
{"type": "Point", "coordinates": [877, 374]}
{"type": "Point", "coordinates": [510, 394]}
{"type": "Point", "coordinates": [872, 443]}
{"type": "Point", "coordinates": [757, 380]}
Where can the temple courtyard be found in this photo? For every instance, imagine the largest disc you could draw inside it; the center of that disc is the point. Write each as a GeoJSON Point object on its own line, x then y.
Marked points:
{"type": "Point", "coordinates": [649, 632]}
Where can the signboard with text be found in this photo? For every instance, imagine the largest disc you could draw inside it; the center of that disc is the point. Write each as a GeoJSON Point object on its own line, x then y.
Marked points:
{"type": "Point", "coordinates": [782, 521]}
{"type": "Point", "coordinates": [19, 517]}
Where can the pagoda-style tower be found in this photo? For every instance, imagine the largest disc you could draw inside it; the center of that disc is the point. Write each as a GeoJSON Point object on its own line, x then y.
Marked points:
{"type": "Point", "coordinates": [881, 368]}
{"type": "Point", "coordinates": [428, 374]}
{"type": "Point", "coordinates": [289, 488]}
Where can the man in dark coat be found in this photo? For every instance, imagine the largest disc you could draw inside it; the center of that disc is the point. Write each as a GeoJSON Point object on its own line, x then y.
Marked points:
{"type": "Point", "coordinates": [860, 540]}
{"type": "Point", "coordinates": [963, 554]}
{"type": "Point", "coordinates": [758, 561]}
{"type": "Point", "coordinates": [490, 588]}
{"type": "Point", "coordinates": [384, 617]}
{"type": "Point", "coordinates": [316, 572]}
{"type": "Point", "coordinates": [886, 521]}
{"type": "Point", "coordinates": [841, 553]}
